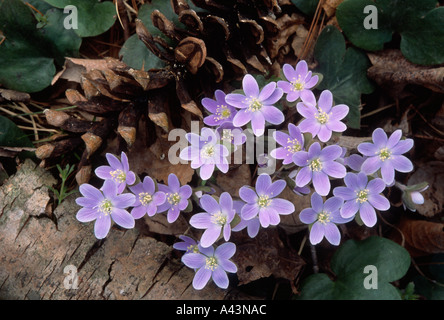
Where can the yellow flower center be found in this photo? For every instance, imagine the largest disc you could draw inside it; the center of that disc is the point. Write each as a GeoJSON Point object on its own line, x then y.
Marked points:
{"type": "Point", "coordinates": [293, 146]}
{"type": "Point", "coordinates": [324, 217]}
{"type": "Point", "coordinates": [315, 165]}
{"type": "Point", "coordinates": [362, 196]}
{"type": "Point", "coordinates": [173, 198]}
{"type": "Point", "coordinates": [208, 152]}
{"type": "Point", "coordinates": [255, 105]}
{"type": "Point", "coordinates": [106, 207]}
{"type": "Point", "coordinates": [145, 198]}
{"type": "Point", "coordinates": [118, 175]}
{"type": "Point", "coordinates": [210, 263]}
{"type": "Point", "coordinates": [322, 117]}
{"type": "Point", "coordinates": [264, 201]}
{"type": "Point", "coordinates": [223, 112]}
{"type": "Point", "coordinates": [194, 248]}
{"type": "Point", "coordinates": [384, 154]}
{"type": "Point", "coordinates": [219, 219]}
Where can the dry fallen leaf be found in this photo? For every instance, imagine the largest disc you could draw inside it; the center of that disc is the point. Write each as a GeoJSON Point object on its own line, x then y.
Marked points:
{"type": "Point", "coordinates": [391, 70]}
{"type": "Point", "coordinates": [421, 237]}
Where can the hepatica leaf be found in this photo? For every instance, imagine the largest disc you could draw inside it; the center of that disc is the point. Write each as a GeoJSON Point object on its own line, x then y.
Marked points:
{"type": "Point", "coordinates": [28, 53]}
{"type": "Point", "coordinates": [136, 55]}
{"type": "Point", "coordinates": [382, 260]}
{"type": "Point", "coordinates": [418, 22]}
{"type": "Point", "coordinates": [344, 72]}
{"type": "Point", "coordinates": [11, 135]}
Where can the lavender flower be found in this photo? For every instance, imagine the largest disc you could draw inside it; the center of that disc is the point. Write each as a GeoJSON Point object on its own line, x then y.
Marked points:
{"type": "Point", "coordinates": [256, 105]}
{"type": "Point", "coordinates": [205, 153]}
{"type": "Point", "coordinates": [263, 202]}
{"type": "Point", "coordinates": [188, 245]}
{"type": "Point", "coordinates": [221, 111]}
{"type": "Point", "coordinates": [215, 220]}
{"type": "Point", "coordinates": [147, 199]}
{"type": "Point", "coordinates": [104, 204]}
{"type": "Point", "coordinates": [300, 82]}
{"type": "Point", "coordinates": [317, 165]}
{"type": "Point", "coordinates": [291, 143]}
{"type": "Point", "coordinates": [213, 264]}
{"type": "Point", "coordinates": [324, 119]}
{"type": "Point", "coordinates": [411, 195]}
{"type": "Point", "coordinates": [363, 196]}
{"type": "Point", "coordinates": [386, 154]}
{"type": "Point", "coordinates": [176, 197]}
{"type": "Point", "coordinates": [323, 218]}
{"type": "Point", "coordinates": [118, 171]}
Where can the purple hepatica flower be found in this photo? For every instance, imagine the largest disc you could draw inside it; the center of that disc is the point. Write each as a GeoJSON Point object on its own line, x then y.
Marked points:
{"type": "Point", "coordinates": [323, 218]}
{"type": "Point", "coordinates": [291, 143]}
{"type": "Point", "coordinates": [386, 154]}
{"type": "Point", "coordinates": [221, 111]}
{"type": "Point", "coordinates": [324, 119]}
{"type": "Point", "coordinates": [300, 82]}
{"type": "Point", "coordinates": [317, 165]}
{"type": "Point", "coordinates": [188, 245]}
{"type": "Point", "coordinates": [211, 263]}
{"type": "Point", "coordinates": [176, 197]}
{"type": "Point", "coordinates": [215, 220]}
{"type": "Point", "coordinates": [118, 171]}
{"type": "Point", "coordinates": [205, 153]}
{"type": "Point", "coordinates": [263, 202]}
{"type": "Point", "coordinates": [256, 105]}
{"type": "Point", "coordinates": [147, 199]}
{"type": "Point", "coordinates": [104, 204]}
{"type": "Point", "coordinates": [361, 195]}
{"type": "Point", "coordinates": [354, 161]}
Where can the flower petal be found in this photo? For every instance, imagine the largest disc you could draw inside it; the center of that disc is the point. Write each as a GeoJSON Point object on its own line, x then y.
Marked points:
{"type": "Point", "coordinates": [379, 202]}
{"type": "Point", "coordinates": [209, 204]}
{"type": "Point", "coordinates": [339, 111]}
{"type": "Point", "coordinates": [102, 226]}
{"type": "Point", "coordinates": [225, 251]}
{"type": "Point", "coordinates": [282, 206]}
{"type": "Point", "coordinates": [206, 171]}
{"type": "Point", "coordinates": [220, 278]}
{"type": "Point", "coordinates": [394, 138]}
{"type": "Point", "coordinates": [325, 101]}
{"type": "Point", "coordinates": [250, 86]}
{"type": "Point", "coordinates": [321, 183]}
{"type": "Point", "coordinates": [263, 182]}
{"type": "Point", "coordinates": [349, 209]}
{"type": "Point", "coordinates": [242, 118]}
{"type": "Point", "coordinates": [122, 218]}
{"type": "Point", "coordinates": [248, 194]}
{"type": "Point", "coordinates": [276, 188]}
{"type": "Point", "coordinates": [109, 189]}
{"type": "Point", "coordinates": [371, 165]}
{"type": "Point", "coordinates": [387, 172]}
{"type": "Point", "coordinates": [210, 236]}
{"type": "Point", "coordinates": [272, 114]}
{"type": "Point", "coordinates": [332, 234]}
{"type": "Point", "coordinates": [330, 153]}
{"type": "Point", "coordinates": [345, 193]}
{"type": "Point", "coordinates": [367, 214]}
{"type": "Point", "coordinates": [193, 260]}
{"type": "Point", "coordinates": [114, 162]}
{"type": "Point", "coordinates": [138, 212]}
{"type": "Point", "coordinates": [334, 169]}
{"type": "Point", "coordinates": [308, 216]}
{"type": "Point", "coordinates": [401, 163]}
{"type": "Point", "coordinates": [376, 186]}
{"type": "Point", "coordinates": [267, 91]}
{"type": "Point", "coordinates": [333, 204]}
{"type": "Point", "coordinates": [258, 123]}
{"type": "Point", "coordinates": [124, 200]}
{"type": "Point", "coordinates": [316, 233]}
{"type": "Point", "coordinates": [324, 133]}
{"type": "Point", "coordinates": [402, 147]}
{"type": "Point", "coordinates": [173, 182]}
{"type": "Point", "coordinates": [201, 220]}
{"type": "Point", "coordinates": [304, 177]}
{"type": "Point", "coordinates": [368, 149]}
{"type": "Point", "coordinates": [379, 138]}
{"type": "Point", "coordinates": [249, 211]}
{"type": "Point", "coordinates": [87, 214]}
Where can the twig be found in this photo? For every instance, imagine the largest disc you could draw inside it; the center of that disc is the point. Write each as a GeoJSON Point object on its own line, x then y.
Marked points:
{"type": "Point", "coordinates": [314, 257]}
